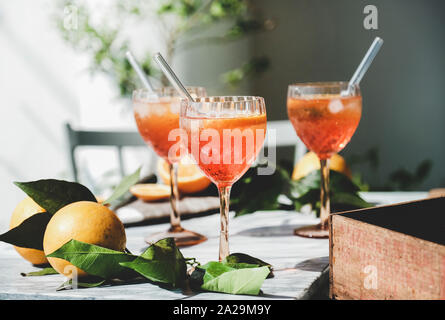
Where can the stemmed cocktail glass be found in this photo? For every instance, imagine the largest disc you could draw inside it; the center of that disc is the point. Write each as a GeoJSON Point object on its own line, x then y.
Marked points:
{"type": "Point", "coordinates": [224, 136]}
{"type": "Point", "coordinates": [157, 114]}
{"type": "Point", "coordinates": [325, 116]}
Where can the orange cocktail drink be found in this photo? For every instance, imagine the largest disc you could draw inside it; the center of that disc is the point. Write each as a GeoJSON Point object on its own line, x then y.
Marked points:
{"type": "Point", "coordinates": [325, 116]}
{"type": "Point", "coordinates": [233, 147]}
{"type": "Point", "coordinates": [325, 123]}
{"type": "Point", "coordinates": [155, 120]}
{"type": "Point", "coordinates": [157, 115]}
{"type": "Point", "coordinates": [224, 136]}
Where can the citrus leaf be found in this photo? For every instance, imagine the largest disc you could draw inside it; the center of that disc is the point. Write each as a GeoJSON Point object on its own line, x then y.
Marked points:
{"type": "Point", "coordinates": [215, 269]}
{"type": "Point", "coordinates": [52, 194]}
{"type": "Point", "coordinates": [207, 272]}
{"type": "Point", "coordinates": [343, 192]}
{"type": "Point", "coordinates": [244, 259]}
{"type": "Point", "coordinates": [67, 285]}
{"type": "Point", "coordinates": [197, 278]}
{"type": "Point", "coordinates": [28, 234]}
{"type": "Point", "coordinates": [43, 272]}
{"type": "Point", "coordinates": [241, 260]}
{"type": "Point", "coordinates": [309, 182]}
{"type": "Point", "coordinates": [161, 262]}
{"type": "Point", "coordinates": [351, 199]}
{"type": "Point", "coordinates": [249, 194]}
{"type": "Point", "coordinates": [233, 275]}
{"type": "Point", "coordinates": [234, 281]}
{"type": "Point", "coordinates": [123, 186]}
{"type": "Point", "coordinates": [94, 260]}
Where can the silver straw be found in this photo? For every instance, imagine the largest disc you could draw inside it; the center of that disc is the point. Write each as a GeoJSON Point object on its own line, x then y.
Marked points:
{"type": "Point", "coordinates": [171, 76]}
{"type": "Point", "coordinates": [366, 62]}
{"type": "Point", "coordinates": [147, 84]}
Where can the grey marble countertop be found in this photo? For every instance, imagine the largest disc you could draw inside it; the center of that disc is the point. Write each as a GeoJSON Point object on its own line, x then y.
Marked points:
{"type": "Point", "coordinates": [298, 262]}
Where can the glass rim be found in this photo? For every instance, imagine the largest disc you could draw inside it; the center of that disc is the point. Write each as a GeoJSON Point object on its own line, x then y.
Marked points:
{"type": "Point", "coordinates": [167, 88]}
{"type": "Point", "coordinates": [222, 99]}
{"type": "Point", "coordinates": [321, 84]}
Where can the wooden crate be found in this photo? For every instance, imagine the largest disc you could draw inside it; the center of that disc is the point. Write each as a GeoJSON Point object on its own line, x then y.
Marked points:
{"type": "Point", "coordinates": [389, 252]}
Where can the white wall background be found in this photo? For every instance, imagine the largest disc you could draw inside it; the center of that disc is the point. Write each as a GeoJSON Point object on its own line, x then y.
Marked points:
{"type": "Point", "coordinates": [43, 84]}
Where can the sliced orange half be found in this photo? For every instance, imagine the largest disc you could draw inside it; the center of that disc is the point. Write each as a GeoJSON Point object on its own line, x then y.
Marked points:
{"type": "Point", "coordinates": [190, 178]}
{"type": "Point", "coordinates": [150, 191]}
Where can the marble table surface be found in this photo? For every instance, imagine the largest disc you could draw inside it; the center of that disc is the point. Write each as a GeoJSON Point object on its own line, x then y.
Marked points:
{"type": "Point", "coordinates": [300, 264]}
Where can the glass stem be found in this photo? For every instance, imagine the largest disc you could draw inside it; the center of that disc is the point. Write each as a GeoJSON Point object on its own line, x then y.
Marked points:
{"type": "Point", "coordinates": [325, 208]}
{"type": "Point", "coordinates": [224, 196]}
{"type": "Point", "coordinates": [175, 218]}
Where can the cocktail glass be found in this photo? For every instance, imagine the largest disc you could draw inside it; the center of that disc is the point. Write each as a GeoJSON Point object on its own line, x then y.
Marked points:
{"type": "Point", "coordinates": [224, 136]}
{"type": "Point", "coordinates": [325, 115]}
{"type": "Point", "coordinates": [156, 115]}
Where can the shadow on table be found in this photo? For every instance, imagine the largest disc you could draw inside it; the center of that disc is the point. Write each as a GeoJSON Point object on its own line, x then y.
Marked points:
{"type": "Point", "coordinates": [275, 231]}
{"type": "Point", "coordinates": [315, 264]}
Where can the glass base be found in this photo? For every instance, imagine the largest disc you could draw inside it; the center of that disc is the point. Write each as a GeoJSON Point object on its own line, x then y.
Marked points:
{"type": "Point", "coordinates": [182, 237]}
{"type": "Point", "coordinates": [315, 231]}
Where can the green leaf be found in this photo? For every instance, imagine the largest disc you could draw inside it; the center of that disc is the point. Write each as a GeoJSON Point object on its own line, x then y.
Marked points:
{"type": "Point", "coordinates": [350, 199]}
{"type": "Point", "coordinates": [197, 278]}
{"type": "Point", "coordinates": [343, 192]}
{"type": "Point", "coordinates": [242, 260]}
{"type": "Point", "coordinates": [123, 186]}
{"type": "Point", "coordinates": [161, 262]}
{"type": "Point", "coordinates": [249, 194]}
{"type": "Point", "coordinates": [236, 260]}
{"type": "Point", "coordinates": [43, 272]}
{"type": "Point", "coordinates": [302, 186]}
{"type": "Point", "coordinates": [239, 273]}
{"type": "Point", "coordinates": [207, 272]}
{"type": "Point", "coordinates": [222, 278]}
{"type": "Point", "coordinates": [52, 194]}
{"type": "Point", "coordinates": [28, 234]}
{"type": "Point", "coordinates": [215, 269]}
{"type": "Point", "coordinates": [94, 260]}
{"type": "Point", "coordinates": [67, 285]}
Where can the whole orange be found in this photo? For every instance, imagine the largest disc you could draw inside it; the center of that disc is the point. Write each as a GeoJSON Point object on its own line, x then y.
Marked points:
{"type": "Point", "coordinates": [25, 209]}
{"type": "Point", "coordinates": [310, 162]}
{"type": "Point", "coordinates": [84, 221]}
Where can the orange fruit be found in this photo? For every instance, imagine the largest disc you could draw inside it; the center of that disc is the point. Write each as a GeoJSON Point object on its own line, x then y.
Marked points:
{"type": "Point", "coordinates": [100, 200]}
{"type": "Point", "coordinates": [84, 221]}
{"type": "Point", "coordinates": [310, 162]}
{"type": "Point", "coordinates": [190, 178]}
{"type": "Point", "coordinates": [25, 209]}
{"type": "Point", "coordinates": [150, 191]}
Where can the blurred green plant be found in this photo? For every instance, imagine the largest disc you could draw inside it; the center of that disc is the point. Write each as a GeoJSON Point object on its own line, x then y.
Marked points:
{"type": "Point", "coordinates": [398, 180]}
{"type": "Point", "coordinates": [182, 23]}
{"type": "Point", "coordinates": [261, 192]}
{"type": "Point", "coordinates": [343, 192]}
{"type": "Point", "coordinates": [402, 179]}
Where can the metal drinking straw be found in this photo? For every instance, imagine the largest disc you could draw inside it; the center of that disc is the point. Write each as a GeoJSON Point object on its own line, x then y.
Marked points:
{"type": "Point", "coordinates": [145, 81]}
{"type": "Point", "coordinates": [171, 76]}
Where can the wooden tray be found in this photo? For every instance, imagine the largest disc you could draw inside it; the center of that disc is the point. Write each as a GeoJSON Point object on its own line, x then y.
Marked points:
{"type": "Point", "coordinates": [389, 252]}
